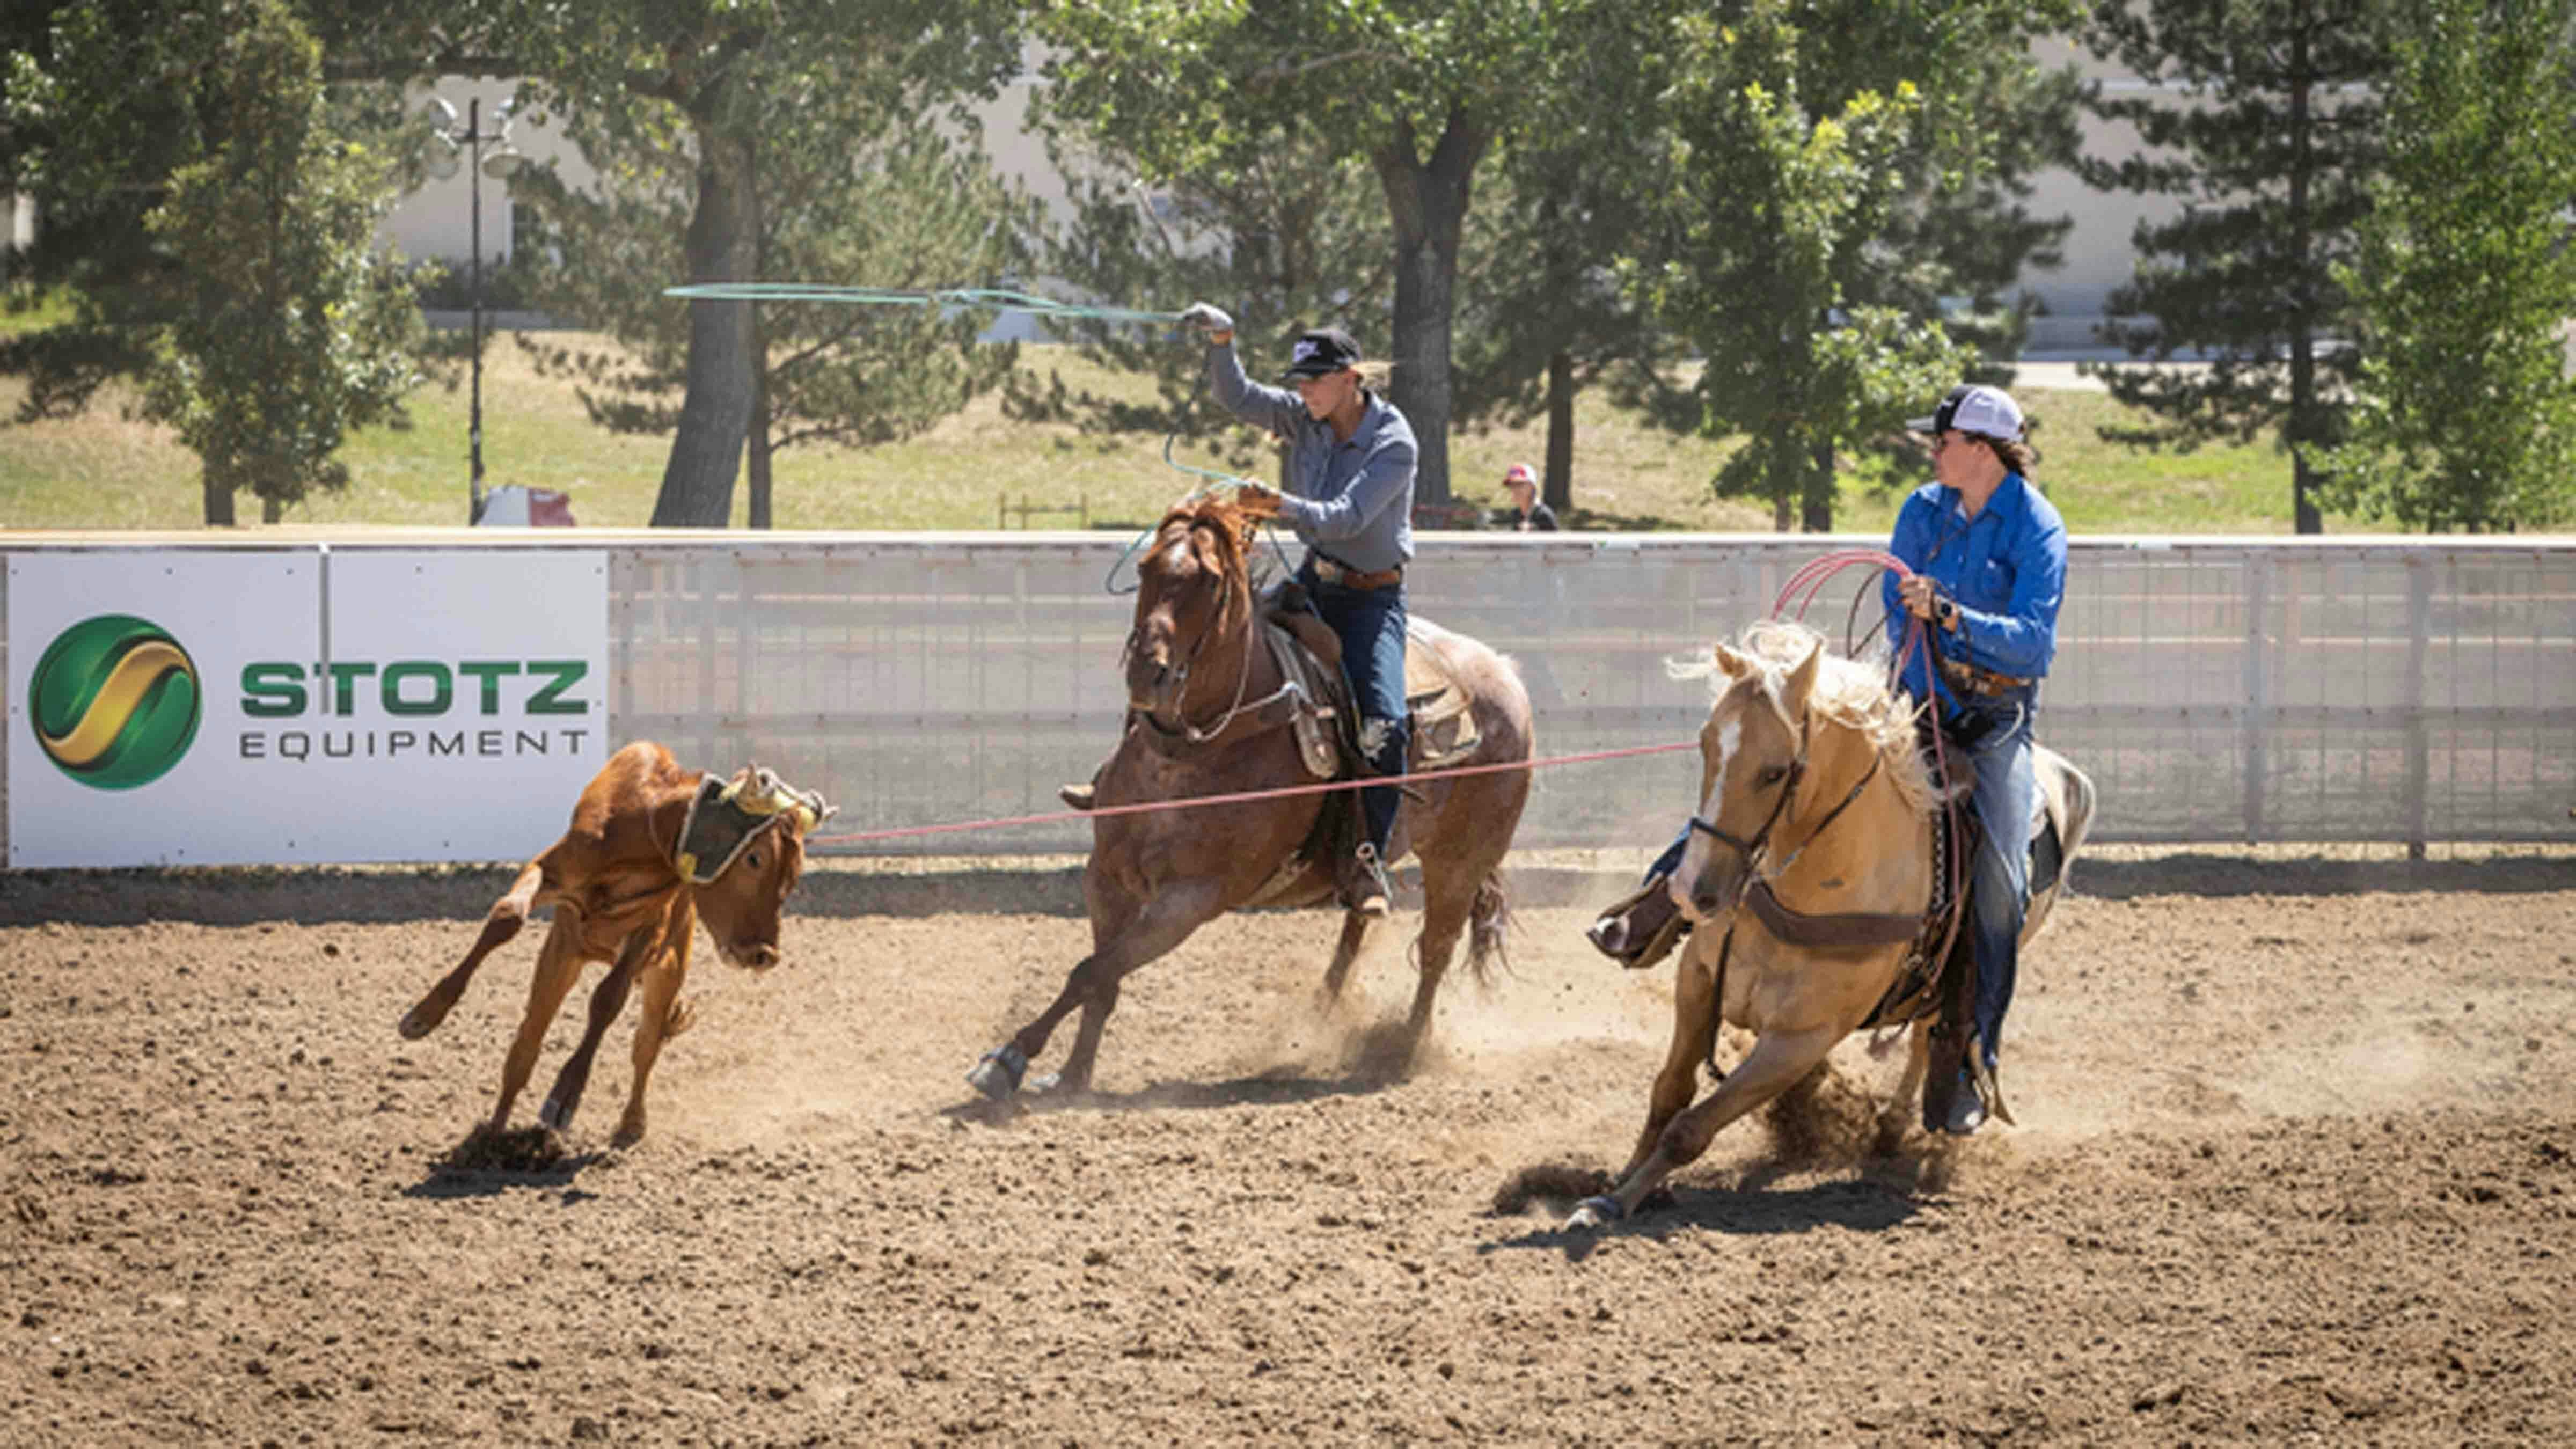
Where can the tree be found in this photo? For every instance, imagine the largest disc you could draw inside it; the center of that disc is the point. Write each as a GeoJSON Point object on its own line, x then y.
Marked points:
{"type": "Point", "coordinates": [1752, 254]}
{"type": "Point", "coordinates": [844, 191]}
{"type": "Point", "coordinates": [691, 78]}
{"type": "Point", "coordinates": [1587, 170]}
{"type": "Point", "coordinates": [1420, 89]}
{"type": "Point", "coordinates": [2464, 277]}
{"type": "Point", "coordinates": [243, 289]}
{"type": "Point", "coordinates": [2272, 138]}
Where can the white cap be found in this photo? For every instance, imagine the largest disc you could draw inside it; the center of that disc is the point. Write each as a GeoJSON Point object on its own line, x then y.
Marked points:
{"type": "Point", "coordinates": [1974, 408]}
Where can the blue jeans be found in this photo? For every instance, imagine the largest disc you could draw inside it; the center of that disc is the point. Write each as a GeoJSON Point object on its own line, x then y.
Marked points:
{"type": "Point", "coordinates": [2007, 789]}
{"type": "Point", "coordinates": [1999, 881]}
{"type": "Point", "coordinates": [1370, 623]}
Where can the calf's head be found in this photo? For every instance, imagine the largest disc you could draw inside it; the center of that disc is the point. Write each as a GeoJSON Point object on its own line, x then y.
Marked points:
{"type": "Point", "coordinates": [742, 906]}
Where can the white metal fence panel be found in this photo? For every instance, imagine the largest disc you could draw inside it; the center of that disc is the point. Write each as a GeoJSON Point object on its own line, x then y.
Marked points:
{"type": "Point", "coordinates": [2402, 690]}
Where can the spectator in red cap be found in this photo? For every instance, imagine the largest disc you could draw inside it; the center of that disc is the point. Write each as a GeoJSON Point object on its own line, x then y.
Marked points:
{"type": "Point", "coordinates": [1527, 514]}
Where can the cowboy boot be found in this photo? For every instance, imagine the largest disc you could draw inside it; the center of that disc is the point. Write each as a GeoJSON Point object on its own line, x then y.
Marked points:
{"type": "Point", "coordinates": [1364, 884]}
{"type": "Point", "coordinates": [1642, 929]}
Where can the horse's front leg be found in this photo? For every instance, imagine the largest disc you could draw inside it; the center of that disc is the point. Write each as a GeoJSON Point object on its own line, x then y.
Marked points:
{"type": "Point", "coordinates": [1164, 922]}
{"type": "Point", "coordinates": [1777, 1062]}
{"type": "Point", "coordinates": [1695, 1022]}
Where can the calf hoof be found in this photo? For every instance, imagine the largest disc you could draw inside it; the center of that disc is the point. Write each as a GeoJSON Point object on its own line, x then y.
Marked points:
{"type": "Point", "coordinates": [998, 1075]}
{"type": "Point", "coordinates": [629, 1132]}
{"type": "Point", "coordinates": [556, 1115]}
{"type": "Point", "coordinates": [421, 1020]}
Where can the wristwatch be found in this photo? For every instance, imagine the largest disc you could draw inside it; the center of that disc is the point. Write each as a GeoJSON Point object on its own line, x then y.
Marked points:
{"type": "Point", "coordinates": [1945, 612]}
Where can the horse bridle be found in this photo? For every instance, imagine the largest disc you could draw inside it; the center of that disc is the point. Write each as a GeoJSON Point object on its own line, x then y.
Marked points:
{"type": "Point", "coordinates": [1181, 671]}
{"type": "Point", "coordinates": [1752, 848]}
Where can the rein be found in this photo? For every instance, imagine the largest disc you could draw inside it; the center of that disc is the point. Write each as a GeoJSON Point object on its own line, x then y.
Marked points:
{"type": "Point", "coordinates": [1753, 848]}
{"type": "Point", "coordinates": [1186, 732]}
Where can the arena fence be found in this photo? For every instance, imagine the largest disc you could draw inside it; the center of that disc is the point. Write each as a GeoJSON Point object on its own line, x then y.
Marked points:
{"type": "Point", "coordinates": [2218, 690]}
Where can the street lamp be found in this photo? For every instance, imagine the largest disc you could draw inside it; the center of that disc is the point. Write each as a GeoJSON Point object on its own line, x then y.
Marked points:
{"type": "Point", "coordinates": [463, 145]}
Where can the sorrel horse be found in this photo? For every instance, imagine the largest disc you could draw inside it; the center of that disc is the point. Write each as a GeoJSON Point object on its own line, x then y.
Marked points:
{"type": "Point", "coordinates": [1194, 665]}
{"type": "Point", "coordinates": [1812, 792]}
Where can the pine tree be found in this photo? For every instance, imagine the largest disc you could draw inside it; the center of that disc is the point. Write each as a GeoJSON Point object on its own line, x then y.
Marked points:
{"type": "Point", "coordinates": [2268, 129]}
{"type": "Point", "coordinates": [2466, 418]}
{"type": "Point", "coordinates": [846, 190]}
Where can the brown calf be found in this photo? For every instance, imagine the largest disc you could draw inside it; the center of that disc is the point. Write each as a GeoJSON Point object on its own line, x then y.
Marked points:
{"type": "Point", "coordinates": [626, 886]}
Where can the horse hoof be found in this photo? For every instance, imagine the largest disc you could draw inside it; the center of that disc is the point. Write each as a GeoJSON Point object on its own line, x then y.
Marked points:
{"type": "Point", "coordinates": [1595, 1212]}
{"type": "Point", "coordinates": [555, 1116]}
{"type": "Point", "coordinates": [417, 1023]}
{"type": "Point", "coordinates": [998, 1075]}
{"type": "Point", "coordinates": [1047, 1082]}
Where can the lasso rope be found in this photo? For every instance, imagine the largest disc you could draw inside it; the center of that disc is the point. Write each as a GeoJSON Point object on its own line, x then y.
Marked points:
{"type": "Point", "coordinates": [1243, 796]}
{"type": "Point", "coordinates": [1211, 482]}
{"type": "Point", "coordinates": [989, 298]}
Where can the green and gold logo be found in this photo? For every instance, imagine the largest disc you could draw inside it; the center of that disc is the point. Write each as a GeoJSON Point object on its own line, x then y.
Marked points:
{"type": "Point", "coordinates": [115, 701]}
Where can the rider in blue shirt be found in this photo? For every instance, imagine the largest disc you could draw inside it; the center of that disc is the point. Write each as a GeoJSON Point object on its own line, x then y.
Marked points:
{"type": "Point", "coordinates": [1988, 554]}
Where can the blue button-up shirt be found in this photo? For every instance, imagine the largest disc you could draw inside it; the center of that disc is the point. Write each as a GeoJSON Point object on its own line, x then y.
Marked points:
{"type": "Point", "coordinates": [1351, 501]}
{"type": "Point", "coordinates": [2005, 568]}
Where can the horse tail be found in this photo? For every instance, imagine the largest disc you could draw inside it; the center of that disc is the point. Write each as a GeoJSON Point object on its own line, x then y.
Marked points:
{"type": "Point", "coordinates": [2080, 799]}
{"type": "Point", "coordinates": [1486, 922]}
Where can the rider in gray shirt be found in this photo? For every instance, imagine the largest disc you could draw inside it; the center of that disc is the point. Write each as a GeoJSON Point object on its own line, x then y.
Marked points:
{"type": "Point", "coordinates": [1350, 499]}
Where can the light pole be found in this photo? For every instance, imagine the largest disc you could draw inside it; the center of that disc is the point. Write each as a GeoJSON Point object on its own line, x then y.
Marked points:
{"type": "Point", "coordinates": [443, 161]}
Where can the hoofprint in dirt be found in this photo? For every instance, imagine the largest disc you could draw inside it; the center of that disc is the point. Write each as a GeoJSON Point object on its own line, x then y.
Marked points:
{"type": "Point", "coordinates": [2297, 1159]}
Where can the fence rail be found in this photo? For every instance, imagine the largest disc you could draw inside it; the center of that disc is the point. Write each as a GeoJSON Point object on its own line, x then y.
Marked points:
{"type": "Point", "coordinates": [2399, 690]}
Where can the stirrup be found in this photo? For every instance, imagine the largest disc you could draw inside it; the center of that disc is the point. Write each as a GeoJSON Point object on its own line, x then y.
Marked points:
{"type": "Point", "coordinates": [1080, 797]}
{"type": "Point", "coordinates": [1369, 893]}
{"type": "Point", "coordinates": [1642, 928]}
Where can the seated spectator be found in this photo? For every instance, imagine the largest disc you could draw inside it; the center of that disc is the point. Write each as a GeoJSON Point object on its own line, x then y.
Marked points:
{"type": "Point", "coordinates": [1527, 514]}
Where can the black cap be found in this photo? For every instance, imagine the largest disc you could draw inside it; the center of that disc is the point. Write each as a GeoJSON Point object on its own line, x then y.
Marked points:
{"type": "Point", "coordinates": [1321, 352]}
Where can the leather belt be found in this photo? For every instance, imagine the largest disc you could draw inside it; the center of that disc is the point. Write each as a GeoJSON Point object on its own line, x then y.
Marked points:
{"type": "Point", "coordinates": [1344, 577]}
{"type": "Point", "coordinates": [1969, 679]}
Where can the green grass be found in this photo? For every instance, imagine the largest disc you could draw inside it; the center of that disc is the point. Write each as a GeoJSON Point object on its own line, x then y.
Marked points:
{"type": "Point", "coordinates": [106, 470]}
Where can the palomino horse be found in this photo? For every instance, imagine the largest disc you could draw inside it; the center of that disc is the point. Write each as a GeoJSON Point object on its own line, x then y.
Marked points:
{"type": "Point", "coordinates": [1195, 672]}
{"type": "Point", "coordinates": [1812, 795]}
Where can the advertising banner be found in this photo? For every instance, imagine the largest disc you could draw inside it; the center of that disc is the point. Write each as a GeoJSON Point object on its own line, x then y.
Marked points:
{"type": "Point", "coordinates": [200, 707]}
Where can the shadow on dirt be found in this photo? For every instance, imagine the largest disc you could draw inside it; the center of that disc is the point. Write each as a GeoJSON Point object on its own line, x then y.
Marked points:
{"type": "Point", "coordinates": [2196, 874]}
{"type": "Point", "coordinates": [486, 1164]}
{"type": "Point", "coordinates": [1864, 1204]}
{"type": "Point", "coordinates": [1270, 1089]}
{"type": "Point", "coordinates": [320, 895]}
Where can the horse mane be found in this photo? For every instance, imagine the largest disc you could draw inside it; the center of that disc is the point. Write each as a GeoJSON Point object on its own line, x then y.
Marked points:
{"type": "Point", "coordinates": [1230, 524]}
{"type": "Point", "coordinates": [1849, 692]}
{"type": "Point", "coordinates": [1231, 530]}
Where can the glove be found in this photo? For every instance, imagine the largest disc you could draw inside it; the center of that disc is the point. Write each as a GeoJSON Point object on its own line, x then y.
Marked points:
{"type": "Point", "coordinates": [1206, 318]}
{"type": "Point", "coordinates": [1257, 500]}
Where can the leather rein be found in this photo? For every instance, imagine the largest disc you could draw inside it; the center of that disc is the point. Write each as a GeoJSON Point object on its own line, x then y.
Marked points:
{"type": "Point", "coordinates": [1799, 928]}
{"type": "Point", "coordinates": [1186, 732]}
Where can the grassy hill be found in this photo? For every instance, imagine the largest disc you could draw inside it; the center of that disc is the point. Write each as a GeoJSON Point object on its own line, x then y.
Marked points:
{"type": "Point", "coordinates": [105, 470]}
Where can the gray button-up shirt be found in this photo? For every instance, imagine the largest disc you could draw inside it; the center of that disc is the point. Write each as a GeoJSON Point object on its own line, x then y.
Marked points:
{"type": "Point", "coordinates": [1351, 502]}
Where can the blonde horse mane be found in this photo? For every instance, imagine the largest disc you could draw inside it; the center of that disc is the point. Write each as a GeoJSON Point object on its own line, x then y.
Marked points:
{"type": "Point", "coordinates": [1848, 692]}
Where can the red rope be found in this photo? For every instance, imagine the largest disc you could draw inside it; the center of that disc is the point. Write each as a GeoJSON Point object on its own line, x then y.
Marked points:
{"type": "Point", "coordinates": [1242, 796]}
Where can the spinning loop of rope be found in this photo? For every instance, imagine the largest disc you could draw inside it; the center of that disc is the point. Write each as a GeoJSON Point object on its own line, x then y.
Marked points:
{"type": "Point", "coordinates": [990, 298]}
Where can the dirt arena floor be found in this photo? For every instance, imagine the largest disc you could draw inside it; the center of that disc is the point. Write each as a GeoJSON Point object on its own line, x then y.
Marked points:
{"type": "Point", "coordinates": [2296, 1162]}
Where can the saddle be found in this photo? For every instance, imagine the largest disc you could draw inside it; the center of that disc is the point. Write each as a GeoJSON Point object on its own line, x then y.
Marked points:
{"type": "Point", "coordinates": [1309, 654]}
{"type": "Point", "coordinates": [1326, 724]}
